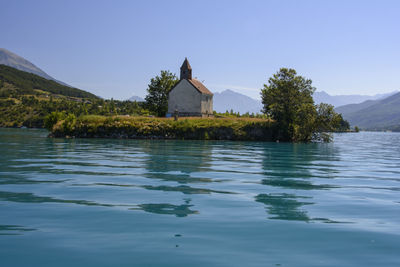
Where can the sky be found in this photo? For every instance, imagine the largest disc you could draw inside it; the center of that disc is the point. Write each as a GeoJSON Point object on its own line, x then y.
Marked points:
{"type": "Point", "coordinates": [114, 48]}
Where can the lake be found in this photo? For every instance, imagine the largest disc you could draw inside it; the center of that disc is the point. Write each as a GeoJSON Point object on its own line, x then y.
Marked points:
{"type": "Point", "coordinates": [103, 202]}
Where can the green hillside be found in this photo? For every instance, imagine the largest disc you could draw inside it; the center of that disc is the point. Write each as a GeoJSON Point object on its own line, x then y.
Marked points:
{"type": "Point", "coordinates": [374, 115]}
{"type": "Point", "coordinates": [350, 108]}
{"type": "Point", "coordinates": [26, 99]}
{"type": "Point", "coordinates": [24, 83]}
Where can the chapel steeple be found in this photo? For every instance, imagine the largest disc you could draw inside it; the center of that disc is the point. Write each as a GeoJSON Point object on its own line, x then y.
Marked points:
{"type": "Point", "coordinates": [186, 70]}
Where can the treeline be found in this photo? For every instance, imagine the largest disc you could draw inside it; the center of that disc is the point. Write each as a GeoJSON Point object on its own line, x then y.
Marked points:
{"type": "Point", "coordinates": [29, 100]}
{"type": "Point", "coordinates": [26, 99]}
{"type": "Point", "coordinates": [31, 111]}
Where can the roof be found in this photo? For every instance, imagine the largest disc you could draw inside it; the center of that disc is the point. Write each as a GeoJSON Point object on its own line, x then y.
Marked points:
{"type": "Point", "coordinates": [197, 85]}
{"type": "Point", "coordinates": [200, 87]}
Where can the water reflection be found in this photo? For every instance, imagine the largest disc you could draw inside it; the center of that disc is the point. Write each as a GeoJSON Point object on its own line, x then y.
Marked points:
{"type": "Point", "coordinates": [168, 209]}
{"type": "Point", "coordinates": [14, 229]}
{"type": "Point", "coordinates": [295, 184]}
{"type": "Point", "coordinates": [287, 167]}
{"type": "Point", "coordinates": [32, 198]}
{"type": "Point", "coordinates": [182, 210]}
{"type": "Point", "coordinates": [285, 206]}
{"type": "Point", "coordinates": [11, 179]}
{"type": "Point", "coordinates": [185, 189]}
{"type": "Point", "coordinates": [181, 188]}
{"type": "Point", "coordinates": [176, 160]}
{"type": "Point", "coordinates": [289, 171]}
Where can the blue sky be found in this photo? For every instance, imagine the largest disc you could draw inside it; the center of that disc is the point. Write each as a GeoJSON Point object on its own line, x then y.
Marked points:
{"type": "Point", "coordinates": [113, 48]}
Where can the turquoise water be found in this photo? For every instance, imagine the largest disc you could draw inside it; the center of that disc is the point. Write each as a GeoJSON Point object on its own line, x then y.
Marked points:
{"type": "Point", "coordinates": [200, 203]}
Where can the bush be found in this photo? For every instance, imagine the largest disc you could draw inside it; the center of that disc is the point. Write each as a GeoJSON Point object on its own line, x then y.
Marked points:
{"type": "Point", "coordinates": [69, 124]}
{"type": "Point", "coordinates": [52, 118]}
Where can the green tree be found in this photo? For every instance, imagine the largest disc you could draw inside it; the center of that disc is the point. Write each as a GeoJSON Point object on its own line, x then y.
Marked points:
{"type": "Point", "coordinates": [157, 92]}
{"type": "Point", "coordinates": [327, 119]}
{"type": "Point", "coordinates": [287, 98]}
{"type": "Point", "coordinates": [344, 125]}
{"type": "Point", "coordinates": [330, 121]}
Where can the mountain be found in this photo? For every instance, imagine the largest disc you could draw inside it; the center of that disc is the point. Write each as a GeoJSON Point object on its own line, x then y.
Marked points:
{"type": "Point", "coordinates": [12, 60]}
{"type": "Point", "coordinates": [229, 99]}
{"type": "Point", "coordinates": [136, 98]}
{"type": "Point", "coordinates": [383, 114]}
{"type": "Point", "coordinates": [15, 82]}
{"type": "Point", "coordinates": [340, 100]}
{"type": "Point", "coordinates": [350, 108]}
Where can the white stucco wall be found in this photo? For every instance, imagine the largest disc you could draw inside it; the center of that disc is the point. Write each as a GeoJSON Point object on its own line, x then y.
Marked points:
{"type": "Point", "coordinates": [207, 104]}
{"type": "Point", "coordinates": [185, 98]}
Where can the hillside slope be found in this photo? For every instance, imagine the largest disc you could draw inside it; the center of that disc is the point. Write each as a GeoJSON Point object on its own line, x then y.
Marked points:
{"type": "Point", "coordinates": [13, 60]}
{"type": "Point", "coordinates": [228, 99]}
{"type": "Point", "coordinates": [24, 83]}
{"type": "Point", "coordinates": [340, 100]}
{"type": "Point", "coordinates": [374, 115]}
{"type": "Point", "coordinates": [350, 108]}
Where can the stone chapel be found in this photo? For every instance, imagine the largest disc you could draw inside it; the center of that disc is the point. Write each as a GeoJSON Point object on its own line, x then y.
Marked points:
{"type": "Point", "coordinates": [189, 97]}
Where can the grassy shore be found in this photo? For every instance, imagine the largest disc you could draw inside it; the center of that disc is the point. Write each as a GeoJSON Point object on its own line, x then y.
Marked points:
{"type": "Point", "coordinates": [165, 128]}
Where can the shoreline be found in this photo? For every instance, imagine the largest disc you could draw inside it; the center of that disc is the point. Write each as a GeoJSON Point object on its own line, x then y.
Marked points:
{"type": "Point", "coordinates": [122, 127]}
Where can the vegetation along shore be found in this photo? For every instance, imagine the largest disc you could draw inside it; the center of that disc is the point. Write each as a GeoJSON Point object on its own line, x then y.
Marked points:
{"type": "Point", "coordinates": [164, 128]}
{"type": "Point", "coordinates": [289, 112]}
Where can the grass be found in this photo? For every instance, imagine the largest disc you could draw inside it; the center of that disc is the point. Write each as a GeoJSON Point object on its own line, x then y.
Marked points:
{"type": "Point", "coordinates": [166, 128]}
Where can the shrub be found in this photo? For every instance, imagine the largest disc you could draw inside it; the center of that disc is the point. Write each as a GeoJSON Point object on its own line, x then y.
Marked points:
{"type": "Point", "coordinates": [52, 118]}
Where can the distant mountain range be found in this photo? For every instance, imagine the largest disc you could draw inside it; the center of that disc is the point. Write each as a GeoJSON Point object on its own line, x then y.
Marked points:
{"type": "Point", "coordinates": [228, 99]}
{"type": "Point", "coordinates": [12, 60]}
{"type": "Point", "coordinates": [383, 114]}
{"type": "Point", "coordinates": [377, 112]}
{"type": "Point", "coordinates": [136, 98]}
{"type": "Point", "coordinates": [340, 100]}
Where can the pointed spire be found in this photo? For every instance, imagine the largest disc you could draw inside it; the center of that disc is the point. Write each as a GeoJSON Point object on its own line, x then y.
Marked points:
{"type": "Point", "coordinates": [186, 64]}
{"type": "Point", "coordinates": [186, 70]}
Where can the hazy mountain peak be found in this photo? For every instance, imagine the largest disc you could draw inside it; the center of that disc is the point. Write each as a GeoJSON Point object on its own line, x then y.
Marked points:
{"type": "Point", "coordinates": [136, 98]}
{"type": "Point", "coordinates": [10, 59]}
{"type": "Point", "coordinates": [229, 99]}
{"type": "Point", "coordinates": [323, 93]}
{"type": "Point", "coordinates": [229, 91]}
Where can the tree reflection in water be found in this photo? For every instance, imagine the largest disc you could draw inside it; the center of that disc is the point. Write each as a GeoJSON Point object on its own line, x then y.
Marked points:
{"type": "Point", "coordinates": [286, 168]}
{"type": "Point", "coordinates": [284, 206]}
{"type": "Point", "coordinates": [169, 209]}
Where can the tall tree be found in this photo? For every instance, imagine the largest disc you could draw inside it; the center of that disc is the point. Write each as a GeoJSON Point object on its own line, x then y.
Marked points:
{"type": "Point", "coordinates": [287, 98]}
{"type": "Point", "coordinates": [157, 92]}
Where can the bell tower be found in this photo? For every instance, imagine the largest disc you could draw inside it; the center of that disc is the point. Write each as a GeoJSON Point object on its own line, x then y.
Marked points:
{"type": "Point", "coordinates": [186, 70]}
